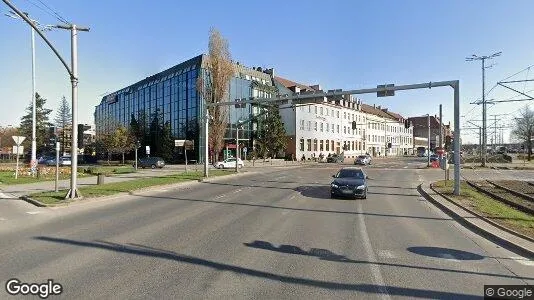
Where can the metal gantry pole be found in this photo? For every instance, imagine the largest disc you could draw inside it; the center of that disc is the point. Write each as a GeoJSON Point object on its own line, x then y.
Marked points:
{"type": "Point", "coordinates": [484, 129]}
{"type": "Point", "coordinates": [440, 126]}
{"type": "Point", "coordinates": [237, 147]}
{"type": "Point", "coordinates": [206, 143]}
{"type": "Point", "coordinates": [34, 117]}
{"type": "Point", "coordinates": [456, 87]}
{"type": "Point", "coordinates": [428, 142]}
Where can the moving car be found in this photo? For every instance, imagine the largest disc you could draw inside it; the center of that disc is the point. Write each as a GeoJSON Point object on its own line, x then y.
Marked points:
{"type": "Point", "coordinates": [150, 162]}
{"type": "Point", "coordinates": [349, 182]}
{"type": "Point", "coordinates": [363, 160]}
{"type": "Point", "coordinates": [229, 163]}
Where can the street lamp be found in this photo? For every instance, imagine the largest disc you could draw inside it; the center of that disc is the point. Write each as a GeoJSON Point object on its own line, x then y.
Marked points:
{"type": "Point", "coordinates": [43, 28]}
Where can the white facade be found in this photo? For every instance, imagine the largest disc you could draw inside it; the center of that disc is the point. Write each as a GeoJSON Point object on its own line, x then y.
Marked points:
{"type": "Point", "coordinates": [326, 128]}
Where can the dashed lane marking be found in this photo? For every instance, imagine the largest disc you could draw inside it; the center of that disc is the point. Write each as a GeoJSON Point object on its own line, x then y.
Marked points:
{"type": "Point", "coordinates": [3, 219]}
{"type": "Point", "coordinates": [33, 212]}
{"type": "Point", "coordinates": [523, 260]}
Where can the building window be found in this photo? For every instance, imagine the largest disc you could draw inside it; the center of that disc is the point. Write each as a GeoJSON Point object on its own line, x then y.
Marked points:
{"type": "Point", "coordinates": [337, 128]}
{"type": "Point", "coordinates": [315, 126]}
{"type": "Point", "coordinates": [333, 146]}
{"type": "Point", "coordinates": [321, 110]}
{"type": "Point", "coordinates": [332, 128]}
{"type": "Point", "coordinates": [309, 108]}
{"type": "Point", "coordinates": [327, 145]}
{"type": "Point", "coordinates": [345, 129]}
{"type": "Point", "coordinates": [337, 114]}
{"type": "Point", "coordinates": [327, 112]}
{"type": "Point", "coordinates": [309, 125]}
{"type": "Point", "coordinates": [309, 145]}
{"type": "Point", "coordinates": [315, 145]}
{"type": "Point", "coordinates": [321, 145]}
{"type": "Point", "coordinates": [301, 124]}
{"type": "Point", "coordinates": [315, 109]}
{"type": "Point", "coordinates": [353, 148]}
{"type": "Point", "coordinates": [321, 126]}
{"type": "Point", "coordinates": [344, 115]}
{"type": "Point", "coordinates": [327, 127]}
{"type": "Point", "coordinates": [301, 144]}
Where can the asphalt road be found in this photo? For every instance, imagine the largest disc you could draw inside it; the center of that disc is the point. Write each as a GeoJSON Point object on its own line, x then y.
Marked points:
{"type": "Point", "coordinates": [269, 235]}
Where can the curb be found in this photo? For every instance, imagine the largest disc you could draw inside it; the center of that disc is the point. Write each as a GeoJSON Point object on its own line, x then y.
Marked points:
{"type": "Point", "coordinates": [528, 253]}
{"type": "Point", "coordinates": [133, 193]}
{"type": "Point", "coordinates": [32, 201]}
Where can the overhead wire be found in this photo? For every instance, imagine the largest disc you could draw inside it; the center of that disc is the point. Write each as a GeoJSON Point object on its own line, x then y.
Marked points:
{"type": "Point", "coordinates": [55, 13]}
{"type": "Point", "coordinates": [49, 11]}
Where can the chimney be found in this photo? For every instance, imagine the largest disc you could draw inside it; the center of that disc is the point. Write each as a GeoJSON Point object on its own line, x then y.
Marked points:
{"type": "Point", "coordinates": [270, 72]}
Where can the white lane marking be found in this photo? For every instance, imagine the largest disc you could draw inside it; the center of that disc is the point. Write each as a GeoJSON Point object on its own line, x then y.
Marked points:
{"type": "Point", "coordinates": [33, 212]}
{"type": "Point", "coordinates": [450, 257]}
{"type": "Point", "coordinates": [4, 196]}
{"type": "Point", "coordinates": [3, 219]}
{"type": "Point", "coordinates": [375, 270]}
{"type": "Point", "coordinates": [405, 167]}
{"type": "Point", "coordinates": [220, 196]}
{"type": "Point", "coordinates": [237, 191]}
{"type": "Point", "coordinates": [291, 197]}
{"type": "Point", "coordinates": [523, 260]}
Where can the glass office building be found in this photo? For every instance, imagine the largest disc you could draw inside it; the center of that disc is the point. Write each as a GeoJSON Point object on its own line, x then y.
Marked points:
{"type": "Point", "coordinates": [171, 97]}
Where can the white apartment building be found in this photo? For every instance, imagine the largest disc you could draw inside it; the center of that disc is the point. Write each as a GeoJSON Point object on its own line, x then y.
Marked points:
{"type": "Point", "coordinates": [326, 128]}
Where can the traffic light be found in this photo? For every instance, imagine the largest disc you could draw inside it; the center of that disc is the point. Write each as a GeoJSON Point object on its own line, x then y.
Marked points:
{"type": "Point", "coordinates": [353, 125]}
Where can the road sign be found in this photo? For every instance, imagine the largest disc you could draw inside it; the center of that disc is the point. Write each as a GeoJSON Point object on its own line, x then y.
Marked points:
{"type": "Point", "coordinates": [179, 143]}
{"type": "Point", "coordinates": [189, 145]}
{"type": "Point", "coordinates": [19, 149]}
{"type": "Point", "coordinates": [386, 93]}
{"type": "Point", "coordinates": [18, 139]}
{"type": "Point", "coordinates": [147, 150]}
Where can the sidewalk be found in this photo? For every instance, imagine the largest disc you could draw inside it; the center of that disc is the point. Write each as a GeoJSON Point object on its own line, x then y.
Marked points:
{"type": "Point", "coordinates": [480, 225]}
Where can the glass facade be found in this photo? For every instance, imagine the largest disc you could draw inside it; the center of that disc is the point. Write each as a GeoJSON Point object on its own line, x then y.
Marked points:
{"type": "Point", "coordinates": [171, 97]}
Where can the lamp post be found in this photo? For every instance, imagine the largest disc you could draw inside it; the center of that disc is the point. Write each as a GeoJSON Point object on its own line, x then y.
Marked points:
{"type": "Point", "coordinates": [239, 122]}
{"type": "Point", "coordinates": [41, 27]}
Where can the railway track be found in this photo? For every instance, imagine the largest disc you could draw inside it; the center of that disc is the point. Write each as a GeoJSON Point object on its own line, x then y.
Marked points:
{"type": "Point", "coordinates": [507, 192]}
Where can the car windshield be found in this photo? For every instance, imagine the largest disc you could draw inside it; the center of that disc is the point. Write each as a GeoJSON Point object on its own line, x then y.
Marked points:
{"type": "Point", "coordinates": [362, 156]}
{"type": "Point", "coordinates": [346, 173]}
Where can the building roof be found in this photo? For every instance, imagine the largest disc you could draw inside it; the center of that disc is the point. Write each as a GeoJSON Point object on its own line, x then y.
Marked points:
{"type": "Point", "coordinates": [423, 122]}
{"type": "Point", "coordinates": [377, 111]}
{"type": "Point", "coordinates": [288, 84]}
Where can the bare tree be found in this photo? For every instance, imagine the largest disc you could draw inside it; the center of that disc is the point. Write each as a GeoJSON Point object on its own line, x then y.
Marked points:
{"type": "Point", "coordinates": [524, 128]}
{"type": "Point", "coordinates": [213, 87]}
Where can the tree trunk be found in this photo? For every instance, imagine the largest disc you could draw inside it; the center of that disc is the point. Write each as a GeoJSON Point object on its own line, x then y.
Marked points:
{"type": "Point", "coordinates": [123, 158]}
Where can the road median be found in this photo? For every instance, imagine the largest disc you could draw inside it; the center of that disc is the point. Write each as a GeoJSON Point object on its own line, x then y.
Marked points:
{"type": "Point", "coordinates": [495, 221]}
{"type": "Point", "coordinates": [50, 198]}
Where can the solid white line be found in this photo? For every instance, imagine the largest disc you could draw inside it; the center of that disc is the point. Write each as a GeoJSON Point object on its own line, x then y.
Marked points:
{"type": "Point", "coordinates": [375, 270]}
{"type": "Point", "coordinates": [2, 219]}
{"type": "Point", "coordinates": [33, 212]}
{"type": "Point", "coordinates": [523, 260]}
{"type": "Point", "coordinates": [4, 196]}
{"type": "Point", "coordinates": [291, 197]}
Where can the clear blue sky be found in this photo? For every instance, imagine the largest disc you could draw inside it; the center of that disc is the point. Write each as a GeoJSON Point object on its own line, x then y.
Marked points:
{"type": "Point", "coordinates": [338, 44]}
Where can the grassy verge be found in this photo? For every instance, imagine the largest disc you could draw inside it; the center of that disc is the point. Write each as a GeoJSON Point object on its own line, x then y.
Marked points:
{"type": "Point", "coordinates": [489, 207]}
{"type": "Point", "coordinates": [108, 170]}
{"type": "Point", "coordinates": [53, 198]}
{"type": "Point", "coordinates": [8, 178]}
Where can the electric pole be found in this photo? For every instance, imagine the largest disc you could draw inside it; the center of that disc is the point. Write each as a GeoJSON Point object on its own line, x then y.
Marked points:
{"type": "Point", "coordinates": [484, 130]}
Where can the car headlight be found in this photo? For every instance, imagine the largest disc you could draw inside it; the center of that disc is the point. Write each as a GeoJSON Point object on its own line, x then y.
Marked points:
{"type": "Point", "coordinates": [360, 187]}
{"type": "Point", "coordinates": [334, 185]}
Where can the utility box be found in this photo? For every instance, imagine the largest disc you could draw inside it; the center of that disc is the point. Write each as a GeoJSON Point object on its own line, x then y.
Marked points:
{"type": "Point", "coordinates": [443, 163]}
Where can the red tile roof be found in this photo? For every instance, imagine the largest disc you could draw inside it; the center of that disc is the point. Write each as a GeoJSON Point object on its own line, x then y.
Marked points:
{"type": "Point", "coordinates": [377, 112]}
{"type": "Point", "coordinates": [288, 83]}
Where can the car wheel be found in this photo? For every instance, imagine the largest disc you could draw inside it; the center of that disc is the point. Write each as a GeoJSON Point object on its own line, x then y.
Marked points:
{"type": "Point", "coordinates": [221, 166]}
{"type": "Point", "coordinates": [153, 166]}
{"type": "Point", "coordinates": [240, 166]}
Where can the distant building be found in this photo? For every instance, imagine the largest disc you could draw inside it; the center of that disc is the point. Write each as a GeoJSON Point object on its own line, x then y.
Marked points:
{"type": "Point", "coordinates": [326, 128]}
{"type": "Point", "coordinates": [420, 131]}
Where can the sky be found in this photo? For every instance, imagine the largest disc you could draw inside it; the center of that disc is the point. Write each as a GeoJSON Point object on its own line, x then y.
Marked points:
{"type": "Point", "coordinates": [338, 44]}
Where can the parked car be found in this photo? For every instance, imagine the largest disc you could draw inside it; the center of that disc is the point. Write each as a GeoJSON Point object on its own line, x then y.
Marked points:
{"type": "Point", "coordinates": [150, 162]}
{"type": "Point", "coordinates": [63, 161]}
{"type": "Point", "coordinates": [363, 160]}
{"type": "Point", "coordinates": [335, 158]}
{"type": "Point", "coordinates": [229, 163]}
{"type": "Point", "coordinates": [349, 182]}
{"type": "Point", "coordinates": [434, 157]}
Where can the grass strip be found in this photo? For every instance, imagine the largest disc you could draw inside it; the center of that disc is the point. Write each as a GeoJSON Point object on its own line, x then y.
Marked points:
{"type": "Point", "coordinates": [92, 191]}
{"type": "Point", "coordinates": [488, 207]}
